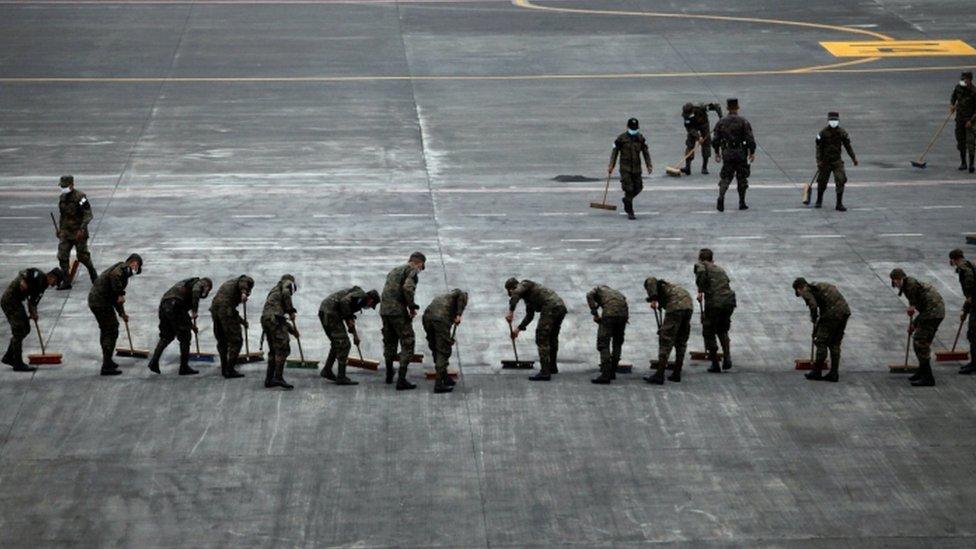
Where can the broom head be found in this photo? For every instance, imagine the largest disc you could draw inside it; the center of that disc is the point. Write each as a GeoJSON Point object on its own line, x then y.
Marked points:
{"type": "Point", "coordinates": [703, 355]}
{"type": "Point", "coordinates": [670, 365]}
{"type": "Point", "coordinates": [602, 206]}
{"type": "Point", "coordinates": [902, 368]}
{"type": "Point", "coordinates": [365, 364]}
{"type": "Point", "coordinates": [302, 364]}
{"type": "Point", "coordinates": [202, 357]}
{"type": "Point", "coordinates": [131, 353]}
{"type": "Point", "coordinates": [250, 357]}
{"type": "Point", "coordinates": [624, 368]}
{"type": "Point", "coordinates": [518, 364]}
{"type": "Point", "coordinates": [431, 374]}
{"type": "Point", "coordinates": [951, 356]}
{"type": "Point", "coordinates": [672, 171]}
{"type": "Point", "coordinates": [45, 358]}
{"type": "Point", "coordinates": [920, 165]}
{"type": "Point", "coordinates": [803, 364]}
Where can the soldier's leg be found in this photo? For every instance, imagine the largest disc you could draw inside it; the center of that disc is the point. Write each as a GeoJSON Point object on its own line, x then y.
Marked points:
{"type": "Point", "coordinates": [390, 342]}
{"type": "Point", "coordinates": [218, 332]}
{"type": "Point", "coordinates": [823, 177]}
{"type": "Point", "coordinates": [234, 340]}
{"type": "Point", "coordinates": [706, 150]}
{"type": "Point", "coordinates": [971, 337]}
{"type": "Point", "coordinates": [617, 343]}
{"type": "Point", "coordinates": [971, 147]}
{"type": "Point", "coordinates": [184, 336]}
{"type": "Point", "coordinates": [443, 345]}
{"type": "Point", "coordinates": [281, 343]}
{"type": "Point", "coordinates": [84, 257]}
{"type": "Point", "coordinates": [723, 325]}
{"type": "Point", "coordinates": [557, 324]}
{"type": "Point", "coordinates": [690, 139]}
{"type": "Point", "coordinates": [341, 347]}
{"type": "Point", "coordinates": [711, 339]}
{"type": "Point", "coordinates": [961, 142]}
{"type": "Point", "coordinates": [19, 330]}
{"type": "Point", "coordinates": [167, 333]}
{"type": "Point", "coordinates": [408, 341]}
{"type": "Point", "coordinates": [334, 331]}
{"type": "Point", "coordinates": [666, 336]}
{"type": "Point", "coordinates": [924, 335]}
{"type": "Point", "coordinates": [64, 254]}
{"type": "Point", "coordinates": [603, 341]}
{"type": "Point", "coordinates": [681, 344]}
{"type": "Point", "coordinates": [821, 342]}
{"type": "Point", "coordinates": [840, 180]}
{"type": "Point", "coordinates": [725, 179]}
{"type": "Point", "coordinates": [543, 330]}
{"type": "Point", "coordinates": [108, 326]}
{"type": "Point", "coordinates": [742, 173]}
{"type": "Point", "coordinates": [836, 338]}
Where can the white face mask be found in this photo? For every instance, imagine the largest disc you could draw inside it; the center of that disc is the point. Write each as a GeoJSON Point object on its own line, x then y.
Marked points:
{"type": "Point", "coordinates": [833, 123]}
{"type": "Point", "coordinates": [66, 190]}
{"type": "Point", "coordinates": [962, 83]}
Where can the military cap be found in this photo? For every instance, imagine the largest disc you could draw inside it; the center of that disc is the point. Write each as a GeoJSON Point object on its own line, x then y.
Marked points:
{"type": "Point", "coordinates": [511, 283]}
{"type": "Point", "coordinates": [956, 254]}
{"type": "Point", "coordinates": [633, 124]}
{"type": "Point", "coordinates": [833, 115]}
{"type": "Point", "coordinates": [248, 281]}
{"type": "Point", "coordinates": [897, 274]}
{"type": "Point", "coordinates": [417, 256]}
{"type": "Point", "coordinates": [137, 258]}
{"type": "Point", "coordinates": [800, 282]}
{"type": "Point", "coordinates": [968, 75]}
{"type": "Point", "coordinates": [705, 254]}
{"type": "Point", "coordinates": [687, 108]}
{"type": "Point", "coordinates": [374, 296]}
{"type": "Point", "coordinates": [732, 103]}
{"type": "Point", "coordinates": [287, 277]}
{"type": "Point", "coordinates": [58, 275]}
{"type": "Point", "coordinates": [650, 284]}
{"type": "Point", "coordinates": [66, 181]}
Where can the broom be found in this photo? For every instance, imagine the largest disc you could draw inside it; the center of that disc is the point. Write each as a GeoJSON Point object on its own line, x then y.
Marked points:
{"type": "Point", "coordinates": [954, 355]}
{"type": "Point", "coordinates": [451, 372]}
{"type": "Point", "coordinates": [920, 163]}
{"type": "Point", "coordinates": [654, 363]}
{"type": "Point", "coordinates": [131, 352]}
{"type": "Point", "coordinates": [676, 172]}
{"type": "Point", "coordinates": [603, 205]}
{"type": "Point", "coordinates": [519, 364]}
{"type": "Point", "coordinates": [361, 362]}
{"type": "Point", "coordinates": [302, 364]}
{"type": "Point", "coordinates": [248, 356]}
{"type": "Point", "coordinates": [808, 188]}
{"type": "Point", "coordinates": [44, 357]}
{"type": "Point", "coordinates": [702, 355]}
{"type": "Point", "coordinates": [904, 368]}
{"type": "Point", "coordinates": [198, 356]}
{"type": "Point", "coordinates": [802, 363]}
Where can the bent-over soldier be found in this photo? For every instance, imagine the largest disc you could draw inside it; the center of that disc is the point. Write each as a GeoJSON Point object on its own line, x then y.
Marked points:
{"type": "Point", "coordinates": [538, 299]}
{"type": "Point", "coordinates": [611, 313]}
{"type": "Point", "coordinates": [698, 131]}
{"type": "Point", "coordinates": [29, 286]}
{"type": "Point", "coordinates": [829, 313]}
{"type": "Point", "coordinates": [337, 313]}
{"type": "Point", "coordinates": [445, 311]}
{"type": "Point", "coordinates": [927, 302]}
{"type": "Point", "coordinates": [228, 323]}
{"type": "Point", "coordinates": [674, 330]}
{"type": "Point", "coordinates": [397, 310]}
{"type": "Point", "coordinates": [177, 320]}
{"type": "Point", "coordinates": [277, 321]}
{"type": "Point", "coordinates": [106, 300]}
{"type": "Point", "coordinates": [967, 281]}
{"type": "Point", "coordinates": [719, 299]}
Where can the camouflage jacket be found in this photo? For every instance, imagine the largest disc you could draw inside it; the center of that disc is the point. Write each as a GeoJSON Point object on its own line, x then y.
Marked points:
{"type": "Point", "coordinates": [829, 143]}
{"type": "Point", "coordinates": [734, 133]}
{"type": "Point", "coordinates": [186, 293]}
{"type": "Point", "coordinates": [537, 298]}
{"type": "Point", "coordinates": [825, 301]}
{"type": "Point", "coordinates": [76, 212]}
{"type": "Point", "coordinates": [613, 303]}
{"type": "Point", "coordinates": [398, 292]}
{"type": "Point", "coordinates": [964, 99]}
{"type": "Point", "coordinates": [36, 282]}
{"type": "Point", "coordinates": [278, 304]}
{"type": "Point", "coordinates": [712, 281]}
{"type": "Point", "coordinates": [669, 297]}
{"type": "Point", "coordinates": [696, 122]}
{"type": "Point", "coordinates": [926, 299]}
{"type": "Point", "coordinates": [630, 149]}
{"type": "Point", "coordinates": [967, 280]}
{"type": "Point", "coordinates": [344, 304]}
{"type": "Point", "coordinates": [228, 297]}
{"type": "Point", "coordinates": [109, 286]}
{"type": "Point", "coordinates": [447, 306]}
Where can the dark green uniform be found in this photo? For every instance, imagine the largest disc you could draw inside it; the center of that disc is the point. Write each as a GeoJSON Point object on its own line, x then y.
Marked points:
{"type": "Point", "coordinates": [76, 214]}
{"type": "Point", "coordinates": [829, 161]}
{"type": "Point", "coordinates": [964, 99]}
{"type": "Point", "coordinates": [334, 312]}
{"type": "Point", "coordinates": [12, 303]}
{"type": "Point", "coordinates": [103, 300]}
{"type": "Point", "coordinates": [274, 321]}
{"type": "Point", "coordinates": [228, 323]}
{"type": "Point", "coordinates": [437, 321]}
{"type": "Point", "coordinates": [720, 303]}
{"type": "Point", "coordinates": [175, 307]}
{"type": "Point", "coordinates": [698, 128]}
{"type": "Point", "coordinates": [733, 140]}
{"type": "Point", "coordinates": [829, 312]}
{"type": "Point", "coordinates": [630, 149]}
{"type": "Point", "coordinates": [967, 280]}
{"type": "Point", "coordinates": [676, 327]}
{"type": "Point", "coordinates": [931, 311]}
{"type": "Point", "coordinates": [539, 299]}
{"type": "Point", "coordinates": [396, 303]}
{"type": "Point", "coordinates": [611, 307]}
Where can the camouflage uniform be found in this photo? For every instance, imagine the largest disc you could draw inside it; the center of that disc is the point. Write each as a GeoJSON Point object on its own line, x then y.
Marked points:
{"type": "Point", "coordinates": [334, 311]}
{"type": "Point", "coordinates": [539, 299]}
{"type": "Point", "coordinates": [931, 311]}
{"type": "Point", "coordinates": [174, 319]}
{"type": "Point", "coordinates": [612, 327]}
{"type": "Point", "coordinates": [829, 312]}
{"type": "Point", "coordinates": [733, 140]}
{"type": "Point", "coordinates": [12, 304]}
{"type": "Point", "coordinates": [676, 327]}
{"type": "Point", "coordinates": [76, 214]}
{"type": "Point", "coordinates": [829, 161]}
{"type": "Point", "coordinates": [720, 303]}
{"type": "Point", "coordinates": [437, 321]}
{"type": "Point", "coordinates": [967, 280]}
{"type": "Point", "coordinates": [227, 322]}
{"type": "Point", "coordinates": [964, 99]}
{"type": "Point", "coordinates": [395, 302]}
{"type": "Point", "coordinates": [630, 149]}
{"type": "Point", "coordinates": [103, 300]}
{"type": "Point", "coordinates": [274, 321]}
{"type": "Point", "coordinates": [698, 128]}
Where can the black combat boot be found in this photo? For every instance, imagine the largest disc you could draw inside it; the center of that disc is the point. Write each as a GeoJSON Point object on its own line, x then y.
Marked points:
{"type": "Point", "coordinates": [16, 360]}
{"type": "Point", "coordinates": [604, 377]}
{"type": "Point", "coordinates": [820, 193]}
{"type": "Point", "coordinates": [343, 380]}
{"type": "Point", "coordinates": [962, 158]}
{"type": "Point", "coordinates": [679, 361]}
{"type": "Point", "coordinates": [720, 205]}
{"type": "Point", "coordinates": [390, 372]}
{"type": "Point", "coordinates": [269, 374]}
{"type": "Point", "coordinates": [185, 369]}
{"type": "Point", "coordinates": [970, 368]}
{"type": "Point", "coordinates": [840, 202]}
{"type": "Point", "coordinates": [816, 374]}
{"type": "Point", "coordinates": [926, 379]}
{"type": "Point", "coordinates": [404, 385]}
{"type": "Point", "coordinates": [231, 371]}
{"type": "Point", "coordinates": [657, 378]}
{"type": "Point", "coordinates": [916, 376]}
{"type": "Point", "coordinates": [65, 284]}
{"type": "Point", "coordinates": [629, 208]}
{"type": "Point", "coordinates": [726, 351]}
{"type": "Point", "coordinates": [327, 372]}
{"type": "Point", "coordinates": [153, 363]}
{"type": "Point", "coordinates": [91, 273]}
{"type": "Point", "coordinates": [715, 368]}
{"type": "Point", "coordinates": [448, 381]}
{"type": "Point", "coordinates": [833, 375]}
{"type": "Point", "coordinates": [687, 169]}
{"type": "Point", "coordinates": [8, 356]}
{"type": "Point", "coordinates": [109, 367]}
{"type": "Point", "coordinates": [440, 387]}
{"type": "Point", "coordinates": [742, 201]}
{"type": "Point", "coordinates": [279, 376]}
{"type": "Point", "coordinates": [705, 166]}
{"type": "Point", "coordinates": [543, 375]}
{"type": "Point", "coordinates": [972, 164]}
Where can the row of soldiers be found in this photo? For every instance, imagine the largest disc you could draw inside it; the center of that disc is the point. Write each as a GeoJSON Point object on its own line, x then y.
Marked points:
{"type": "Point", "coordinates": [337, 313]}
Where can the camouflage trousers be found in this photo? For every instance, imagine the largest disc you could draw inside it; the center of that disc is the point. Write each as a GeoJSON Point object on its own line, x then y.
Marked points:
{"type": "Point", "coordinates": [339, 344]}
{"type": "Point", "coordinates": [610, 342]}
{"type": "Point", "coordinates": [439, 340]}
{"type": "Point", "coordinates": [925, 330]}
{"type": "Point", "coordinates": [279, 344]}
{"type": "Point", "coordinates": [971, 337]}
{"type": "Point", "coordinates": [398, 333]}
{"type": "Point", "coordinates": [81, 250]}
{"type": "Point", "coordinates": [631, 184]}
{"type": "Point", "coordinates": [716, 323]}
{"type": "Point", "coordinates": [735, 164]}
{"type": "Point", "coordinates": [108, 327]}
{"type": "Point", "coordinates": [827, 336]}
{"type": "Point", "coordinates": [692, 138]}
{"type": "Point", "coordinates": [673, 334]}
{"type": "Point", "coordinates": [229, 335]}
{"type": "Point", "coordinates": [965, 137]}
{"type": "Point", "coordinates": [547, 338]}
{"type": "Point", "coordinates": [824, 171]}
{"type": "Point", "coordinates": [19, 326]}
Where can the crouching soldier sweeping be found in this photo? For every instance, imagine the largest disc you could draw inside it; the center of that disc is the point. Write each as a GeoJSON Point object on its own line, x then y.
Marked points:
{"type": "Point", "coordinates": [673, 332]}
{"type": "Point", "coordinates": [177, 320]}
{"type": "Point", "coordinates": [967, 280]}
{"type": "Point", "coordinates": [829, 313]}
{"type": "Point", "coordinates": [337, 313]}
{"type": "Point", "coordinates": [228, 323]}
{"type": "Point", "coordinates": [277, 321]}
{"type": "Point", "coordinates": [29, 285]}
{"type": "Point", "coordinates": [106, 299]}
{"type": "Point", "coordinates": [719, 304]}
{"type": "Point", "coordinates": [443, 312]}
{"type": "Point", "coordinates": [610, 312]}
{"type": "Point", "coordinates": [927, 302]}
{"type": "Point", "coordinates": [538, 299]}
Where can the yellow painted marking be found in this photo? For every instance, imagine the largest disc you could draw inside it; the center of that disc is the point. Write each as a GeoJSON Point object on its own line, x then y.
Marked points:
{"type": "Point", "coordinates": [899, 48]}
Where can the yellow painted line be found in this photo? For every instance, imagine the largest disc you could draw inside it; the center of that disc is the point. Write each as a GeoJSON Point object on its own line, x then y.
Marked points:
{"type": "Point", "coordinates": [834, 65]}
{"type": "Point", "coordinates": [899, 48]}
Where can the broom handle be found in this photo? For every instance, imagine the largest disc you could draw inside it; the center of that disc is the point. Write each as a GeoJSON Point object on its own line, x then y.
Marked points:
{"type": "Point", "coordinates": [298, 339]}
{"type": "Point", "coordinates": [813, 337]}
{"type": "Point", "coordinates": [128, 334]}
{"type": "Point", "coordinates": [692, 151]}
{"type": "Point", "coordinates": [962, 320]}
{"type": "Point", "coordinates": [606, 191]}
{"type": "Point", "coordinates": [657, 317]}
{"type": "Point", "coordinates": [360, 351]}
{"type": "Point", "coordinates": [261, 344]}
{"type": "Point", "coordinates": [511, 330]}
{"type": "Point", "coordinates": [43, 352]}
{"type": "Point", "coordinates": [935, 137]}
{"type": "Point", "coordinates": [196, 338]}
{"type": "Point", "coordinates": [247, 346]}
{"type": "Point", "coordinates": [908, 342]}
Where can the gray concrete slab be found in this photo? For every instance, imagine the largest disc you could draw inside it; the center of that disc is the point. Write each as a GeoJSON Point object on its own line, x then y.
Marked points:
{"type": "Point", "coordinates": [330, 139]}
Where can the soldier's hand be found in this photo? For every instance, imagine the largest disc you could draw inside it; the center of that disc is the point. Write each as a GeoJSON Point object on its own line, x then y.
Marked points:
{"type": "Point", "coordinates": [509, 317]}
{"type": "Point", "coordinates": [413, 313]}
{"type": "Point", "coordinates": [718, 158]}
{"type": "Point", "coordinates": [244, 298]}
{"type": "Point", "coordinates": [355, 340]}
{"type": "Point", "coordinates": [653, 304]}
{"type": "Point", "coordinates": [515, 332]}
{"type": "Point", "coordinates": [57, 233]}
{"type": "Point", "coordinates": [245, 324]}
{"type": "Point", "coordinates": [700, 297]}
{"type": "Point", "coordinates": [120, 300]}
{"type": "Point", "coordinates": [194, 328]}
{"type": "Point", "coordinates": [291, 316]}
{"type": "Point", "coordinates": [969, 124]}
{"type": "Point", "coordinates": [609, 170]}
{"type": "Point", "coordinates": [650, 168]}
{"type": "Point", "coordinates": [855, 161]}
{"type": "Point", "coordinates": [910, 311]}
{"type": "Point", "coordinates": [457, 320]}
{"type": "Point", "coordinates": [80, 235]}
{"type": "Point", "coordinates": [911, 328]}
{"type": "Point", "coordinates": [33, 316]}
{"type": "Point", "coordinates": [963, 315]}
{"type": "Point", "coordinates": [752, 158]}
{"type": "Point", "coordinates": [193, 316]}
{"type": "Point", "coordinates": [596, 318]}
{"type": "Point", "coordinates": [952, 109]}
{"type": "Point", "coordinates": [125, 317]}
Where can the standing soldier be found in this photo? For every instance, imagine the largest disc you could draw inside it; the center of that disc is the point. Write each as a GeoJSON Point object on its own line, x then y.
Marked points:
{"type": "Point", "coordinates": [29, 285]}
{"type": "Point", "coordinates": [538, 299]}
{"type": "Point", "coordinates": [927, 301]}
{"type": "Point", "coordinates": [76, 214]}
{"type": "Point", "coordinates": [829, 159]}
{"type": "Point", "coordinates": [630, 146]}
{"type": "Point", "coordinates": [674, 331]}
{"type": "Point", "coordinates": [337, 313]}
{"type": "Point", "coordinates": [227, 323]}
{"type": "Point", "coordinates": [963, 103]}
{"type": "Point", "coordinates": [106, 299]}
{"type": "Point", "coordinates": [275, 317]}
{"type": "Point", "coordinates": [397, 309]}
{"type": "Point", "coordinates": [735, 147]}
{"type": "Point", "coordinates": [443, 312]}
{"type": "Point", "coordinates": [177, 320]}
{"type": "Point", "coordinates": [967, 279]}
{"type": "Point", "coordinates": [699, 131]}
{"type": "Point", "coordinates": [612, 327]}
{"type": "Point", "coordinates": [714, 290]}
{"type": "Point", "coordinates": [829, 313]}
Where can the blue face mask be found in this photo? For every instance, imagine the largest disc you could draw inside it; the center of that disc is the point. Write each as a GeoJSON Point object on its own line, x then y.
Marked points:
{"type": "Point", "coordinates": [633, 132]}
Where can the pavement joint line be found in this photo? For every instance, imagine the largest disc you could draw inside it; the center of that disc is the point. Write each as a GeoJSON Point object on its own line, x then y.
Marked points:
{"type": "Point", "coordinates": [822, 236]}
{"type": "Point", "coordinates": [746, 237]}
{"type": "Point", "coordinates": [13, 217]}
{"type": "Point", "coordinates": [883, 235]}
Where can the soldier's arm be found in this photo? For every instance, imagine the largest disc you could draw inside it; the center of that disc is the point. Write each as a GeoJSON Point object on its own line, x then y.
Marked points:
{"type": "Point", "coordinates": [846, 140]}
{"type": "Point", "coordinates": [613, 155]}
{"type": "Point", "coordinates": [195, 295]}
{"type": "Point", "coordinates": [86, 216]}
{"type": "Point", "coordinates": [286, 303]}
{"type": "Point", "coordinates": [811, 304]}
{"type": "Point", "coordinates": [715, 107]}
{"type": "Point", "coordinates": [750, 139]}
{"type": "Point", "coordinates": [409, 291]}
{"type": "Point", "coordinates": [592, 303]}
{"type": "Point", "coordinates": [118, 289]}
{"type": "Point", "coordinates": [818, 145]}
{"type": "Point", "coordinates": [529, 317]}
{"type": "Point", "coordinates": [717, 139]}
{"type": "Point", "coordinates": [646, 152]}
{"type": "Point", "coordinates": [969, 283]}
{"type": "Point", "coordinates": [701, 279]}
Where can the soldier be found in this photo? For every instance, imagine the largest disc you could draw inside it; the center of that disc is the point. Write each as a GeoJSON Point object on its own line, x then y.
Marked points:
{"type": "Point", "coordinates": [443, 312]}
{"type": "Point", "coordinates": [967, 279]}
{"type": "Point", "coordinates": [612, 327]}
{"type": "Point", "coordinates": [397, 309]}
{"type": "Point", "coordinates": [538, 299]}
{"type": "Point", "coordinates": [734, 145]}
{"type": "Point", "coordinates": [106, 299]}
{"type": "Point", "coordinates": [177, 319]}
{"type": "Point", "coordinates": [275, 317]}
{"type": "Point", "coordinates": [713, 288]}
{"type": "Point", "coordinates": [28, 285]}
{"type": "Point", "coordinates": [829, 313]}
{"type": "Point", "coordinates": [227, 323]}
{"type": "Point", "coordinates": [674, 331]}
{"type": "Point", "coordinates": [963, 103]}
{"type": "Point", "coordinates": [829, 159]}
{"type": "Point", "coordinates": [699, 131]}
{"type": "Point", "coordinates": [630, 146]}
{"type": "Point", "coordinates": [337, 313]}
{"type": "Point", "coordinates": [76, 214]}
{"type": "Point", "coordinates": [927, 301]}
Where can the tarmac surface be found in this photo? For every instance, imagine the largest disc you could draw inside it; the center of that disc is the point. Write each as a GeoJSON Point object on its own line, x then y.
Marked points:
{"type": "Point", "coordinates": [330, 139]}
